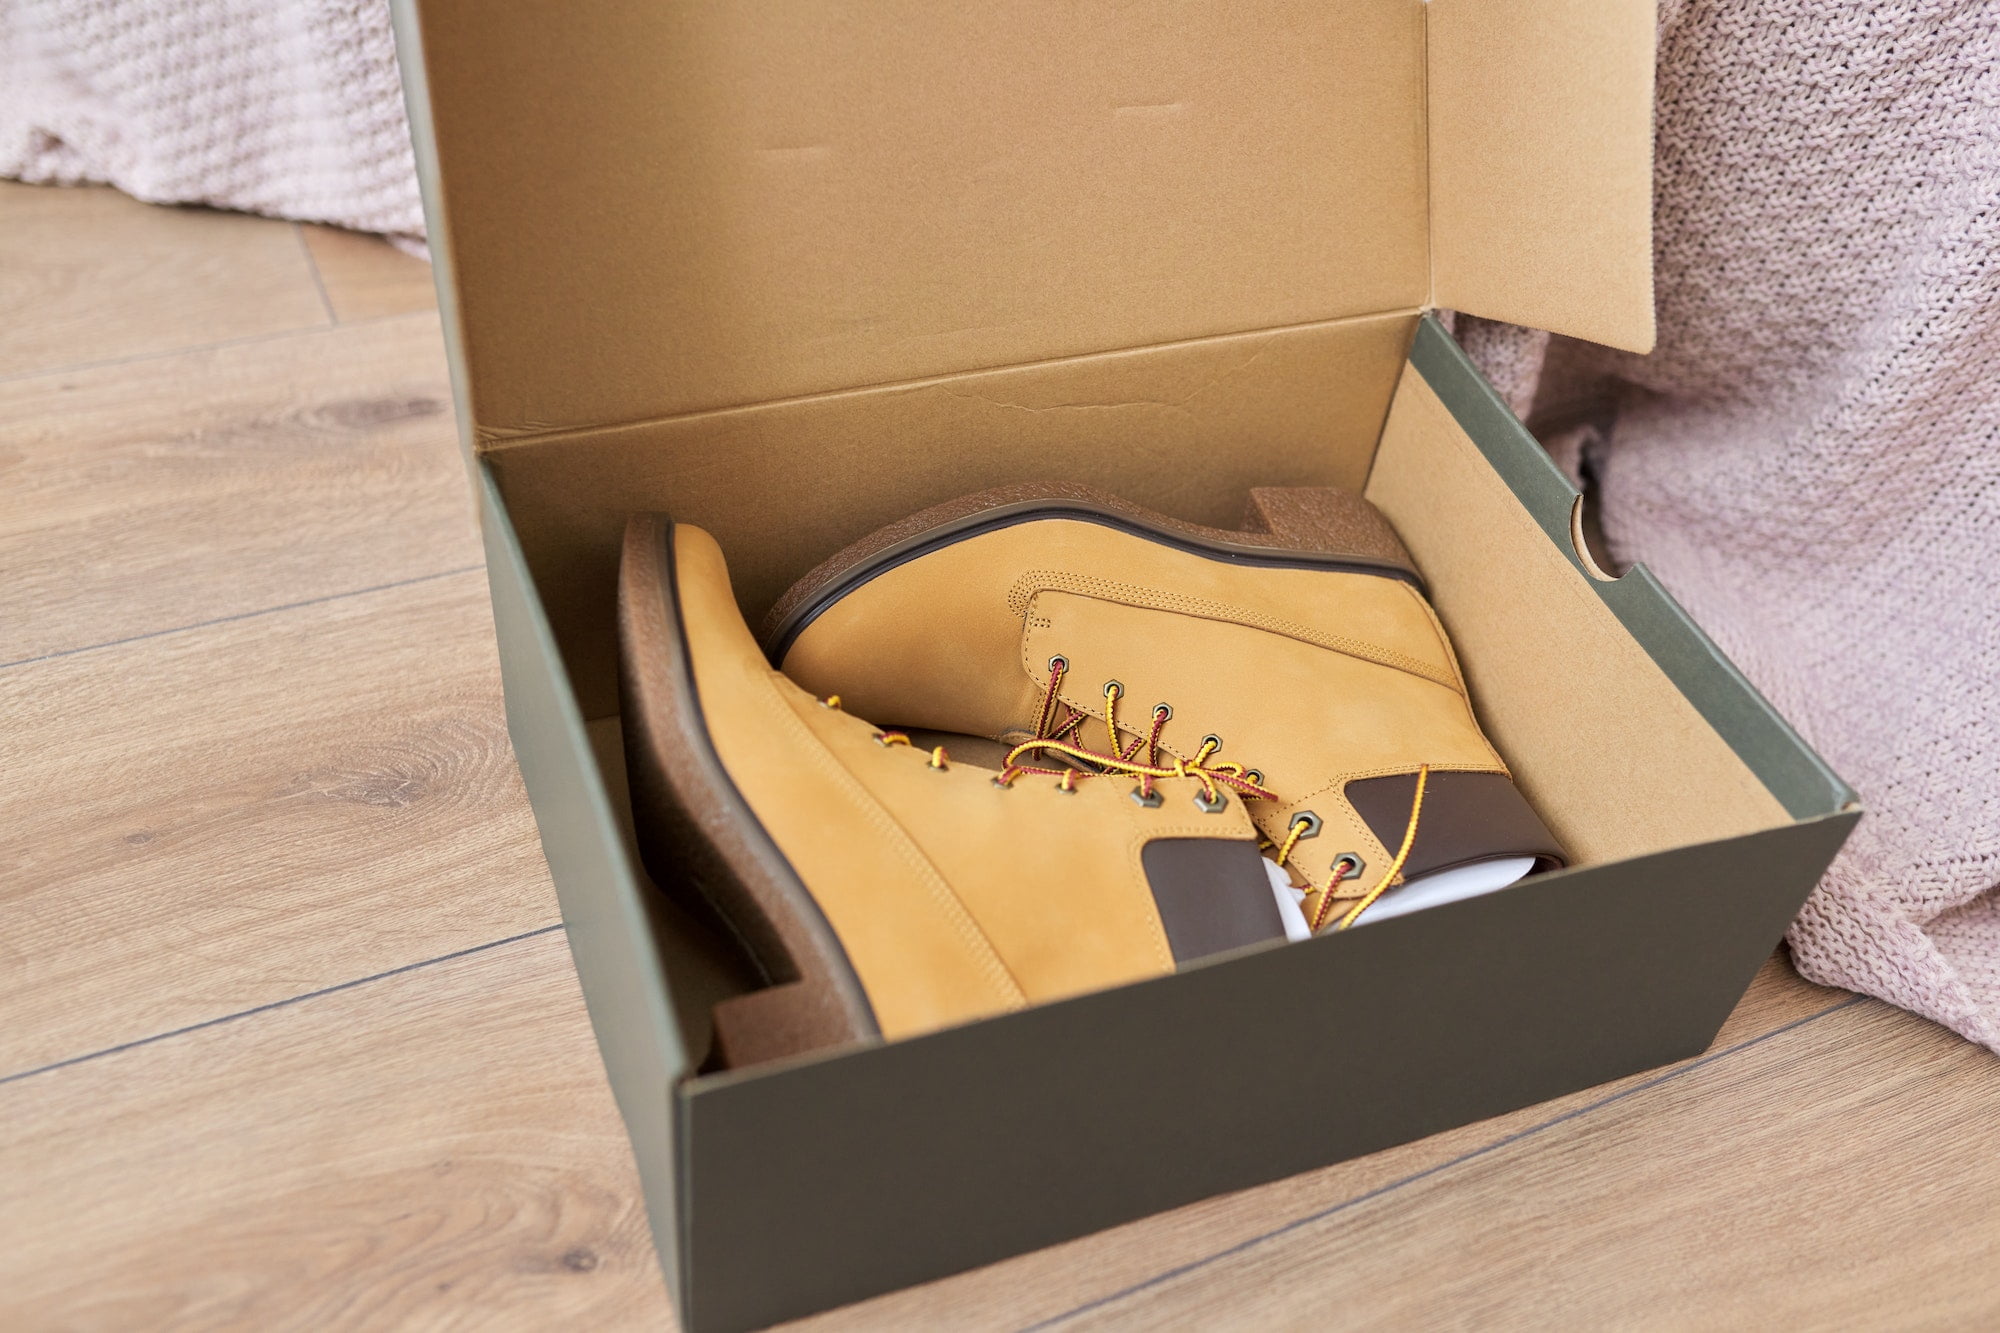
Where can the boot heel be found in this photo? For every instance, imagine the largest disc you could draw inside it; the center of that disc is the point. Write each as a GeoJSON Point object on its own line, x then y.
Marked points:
{"type": "Point", "coordinates": [1323, 518]}
{"type": "Point", "coordinates": [701, 843]}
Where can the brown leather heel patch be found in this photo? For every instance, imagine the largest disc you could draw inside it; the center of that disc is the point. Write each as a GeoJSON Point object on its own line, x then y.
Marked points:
{"type": "Point", "coordinates": [791, 1018]}
{"type": "Point", "coordinates": [1325, 518]}
{"type": "Point", "coordinates": [1467, 817]}
{"type": "Point", "coordinates": [1212, 895]}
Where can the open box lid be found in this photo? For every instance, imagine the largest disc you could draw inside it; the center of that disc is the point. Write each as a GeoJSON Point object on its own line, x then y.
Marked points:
{"type": "Point", "coordinates": [653, 209]}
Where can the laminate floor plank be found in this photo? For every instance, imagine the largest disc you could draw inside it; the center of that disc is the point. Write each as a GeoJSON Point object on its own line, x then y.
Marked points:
{"type": "Point", "coordinates": [434, 1150]}
{"type": "Point", "coordinates": [291, 1037]}
{"type": "Point", "coordinates": [186, 488]}
{"type": "Point", "coordinates": [1838, 1175]}
{"type": "Point", "coordinates": [90, 275]}
{"type": "Point", "coordinates": [365, 277]}
{"type": "Point", "coordinates": [1022, 1291]}
{"type": "Point", "coordinates": [202, 822]}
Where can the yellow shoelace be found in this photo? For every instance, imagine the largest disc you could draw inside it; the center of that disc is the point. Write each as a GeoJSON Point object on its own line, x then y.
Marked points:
{"type": "Point", "coordinates": [1341, 863]}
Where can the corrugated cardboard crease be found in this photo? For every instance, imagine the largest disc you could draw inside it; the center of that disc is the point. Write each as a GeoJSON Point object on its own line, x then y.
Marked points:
{"type": "Point", "coordinates": [494, 438]}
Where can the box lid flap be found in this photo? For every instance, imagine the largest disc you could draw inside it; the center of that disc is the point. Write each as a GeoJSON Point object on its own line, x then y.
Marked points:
{"type": "Point", "coordinates": [645, 209]}
{"type": "Point", "coordinates": [1541, 137]}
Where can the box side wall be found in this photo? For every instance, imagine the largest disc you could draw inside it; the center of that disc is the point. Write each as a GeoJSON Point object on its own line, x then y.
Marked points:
{"type": "Point", "coordinates": [906, 1162]}
{"type": "Point", "coordinates": [1610, 752]}
{"type": "Point", "coordinates": [1186, 429]}
{"type": "Point", "coordinates": [1623, 716]}
{"type": "Point", "coordinates": [657, 208]}
{"type": "Point", "coordinates": [609, 937]}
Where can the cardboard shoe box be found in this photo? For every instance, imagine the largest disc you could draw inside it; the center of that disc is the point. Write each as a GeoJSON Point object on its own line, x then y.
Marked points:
{"type": "Point", "coordinates": [793, 269]}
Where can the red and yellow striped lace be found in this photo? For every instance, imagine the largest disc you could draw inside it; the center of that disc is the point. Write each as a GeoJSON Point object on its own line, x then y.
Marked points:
{"type": "Point", "coordinates": [1324, 908]}
{"type": "Point", "coordinates": [1121, 758]}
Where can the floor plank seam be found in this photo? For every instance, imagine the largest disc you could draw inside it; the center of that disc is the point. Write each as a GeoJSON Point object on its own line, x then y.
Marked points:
{"type": "Point", "coordinates": [279, 1004]}
{"type": "Point", "coordinates": [312, 267]}
{"type": "Point", "coordinates": [78, 367]}
{"type": "Point", "coordinates": [1415, 1176]}
{"type": "Point", "coordinates": [243, 615]}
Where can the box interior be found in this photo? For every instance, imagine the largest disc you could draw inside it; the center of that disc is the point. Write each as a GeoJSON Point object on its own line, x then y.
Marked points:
{"type": "Point", "coordinates": [791, 272]}
{"type": "Point", "coordinates": [1631, 734]}
{"type": "Point", "coordinates": [1609, 749]}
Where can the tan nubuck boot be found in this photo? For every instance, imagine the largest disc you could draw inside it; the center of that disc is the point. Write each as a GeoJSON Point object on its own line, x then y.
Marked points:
{"type": "Point", "coordinates": [885, 889]}
{"type": "Point", "coordinates": [1303, 645]}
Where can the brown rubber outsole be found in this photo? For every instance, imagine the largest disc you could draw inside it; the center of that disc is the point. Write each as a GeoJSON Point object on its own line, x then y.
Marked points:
{"type": "Point", "coordinates": [701, 841]}
{"type": "Point", "coordinates": [1316, 527]}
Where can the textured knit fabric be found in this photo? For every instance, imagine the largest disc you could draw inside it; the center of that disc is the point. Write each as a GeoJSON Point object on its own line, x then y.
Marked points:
{"type": "Point", "coordinates": [1808, 460]}
{"type": "Point", "coordinates": [285, 107]}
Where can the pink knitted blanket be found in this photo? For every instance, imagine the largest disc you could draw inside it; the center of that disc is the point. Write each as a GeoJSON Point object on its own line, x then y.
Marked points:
{"type": "Point", "coordinates": [290, 108]}
{"type": "Point", "coordinates": [1809, 461]}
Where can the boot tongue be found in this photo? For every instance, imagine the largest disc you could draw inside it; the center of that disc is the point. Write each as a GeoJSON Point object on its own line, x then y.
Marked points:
{"type": "Point", "coordinates": [973, 751]}
{"type": "Point", "coordinates": [1290, 900]}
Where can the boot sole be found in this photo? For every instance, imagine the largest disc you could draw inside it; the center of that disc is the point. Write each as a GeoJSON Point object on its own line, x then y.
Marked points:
{"type": "Point", "coordinates": [1304, 528]}
{"type": "Point", "coordinates": [702, 842]}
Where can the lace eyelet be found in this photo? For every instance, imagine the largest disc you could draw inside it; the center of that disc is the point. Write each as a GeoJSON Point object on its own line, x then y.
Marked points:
{"type": "Point", "coordinates": [1215, 807]}
{"type": "Point", "coordinates": [1163, 712]}
{"type": "Point", "coordinates": [1255, 777]}
{"type": "Point", "coordinates": [1346, 866]}
{"type": "Point", "coordinates": [1058, 663]}
{"type": "Point", "coordinates": [1152, 802]}
{"type": "Point", "coordinates": [1313, 823]}
{"type": "Point", "coordinates": [1212, 741]}
{"type": "Point", "coordinates": [1117, 685]}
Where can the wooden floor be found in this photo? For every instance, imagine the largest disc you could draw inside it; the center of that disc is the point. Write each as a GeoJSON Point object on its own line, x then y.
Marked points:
{"type": "Point", "coordinates": [289, 1036]}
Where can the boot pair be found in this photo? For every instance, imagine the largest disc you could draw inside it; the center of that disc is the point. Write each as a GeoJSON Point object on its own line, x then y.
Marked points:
{"type": "Point", "coordinates": [1120, 743]}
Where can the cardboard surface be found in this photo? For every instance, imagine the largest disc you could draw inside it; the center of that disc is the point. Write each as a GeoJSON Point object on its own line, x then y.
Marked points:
{"type": "Point", "coordinates": [1612, 755]}
{"type": "Point", "coordinates": [1541, 132]}
{"type": "Point", "coordinates": [656, 208]}
{"type": "Point", "coordinates": [653, 209]}
{"type": "Point", "coordinates": [1799, 780]}
{"type": "Point", "coordinates": [1185, 429]}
